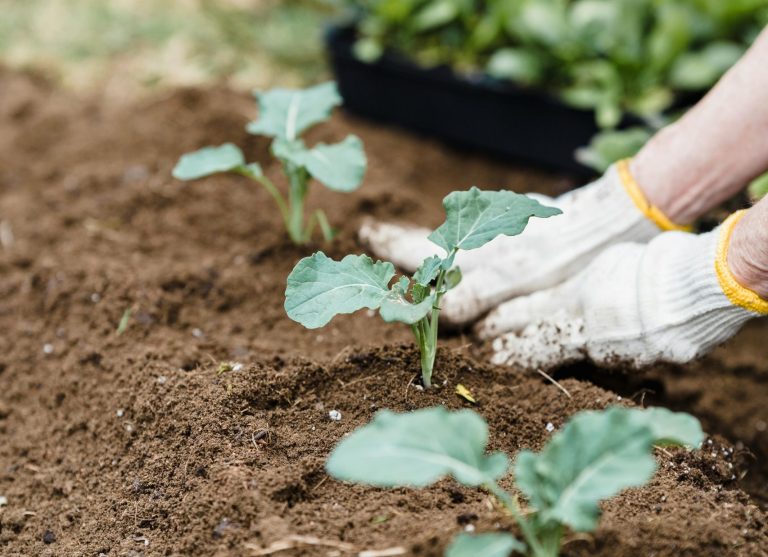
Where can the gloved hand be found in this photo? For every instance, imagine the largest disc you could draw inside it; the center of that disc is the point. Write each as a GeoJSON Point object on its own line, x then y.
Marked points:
{"type": "Point", "coordinates": [672, 299]}
{"type": "Point", "coordinates": [609, 211]}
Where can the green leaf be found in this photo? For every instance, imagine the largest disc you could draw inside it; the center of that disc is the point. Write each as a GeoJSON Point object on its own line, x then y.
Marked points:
{"type": "Point", "coordinates": [397, 308]}
{"type": "Point", "coordinates": [339, 167]}
{"type": "Point", "coordinates": [595, 456]}
{"type": "Point", "coordinates": [286, 113]}
{"type": "Point", "coordinates": [759, 188]}
{"type": "Point", "coordinates": [207, 161]}
{"type": "Point", "coordinates": [320, 288]}
{"type": "Point", "coordinates": [420, 292]}
{"type": "Point", "coordinates": [476, 217]}
{"type": "Point", "coordinates": [673, 428]}
{"type": "Point", "coordinates": [293, 151]}
{"type": "Point", "coordinates": [452, 279]}
{"type": "Point", "coordinates": [253, 170]}
{"type": "Point", "coordinates": [417, 449]}
{"type": "Point", "coordinates": [700, 70]}
{"type": "Point", "coordinates": [428, 270]}
{"type": "Point", "coordinates": [515, 64]}
{"type": "Point", "coordinates": [435, 14]}
{"type": "Point", "coordinates": [484, 545]}
{"type": "Point", "coordinates": [610, 146]}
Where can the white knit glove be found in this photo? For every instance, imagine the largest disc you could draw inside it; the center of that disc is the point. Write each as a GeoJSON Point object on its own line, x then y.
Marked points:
{"type": "Point", "coordinates": [672, 299]}
{"type": "Point", "coordinates": [606, 212]}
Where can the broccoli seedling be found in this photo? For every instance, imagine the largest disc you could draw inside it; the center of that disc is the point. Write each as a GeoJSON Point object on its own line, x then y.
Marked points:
{"type": "Point", "coordinates": [595, 456]}
{"type": "Point", "coordinates": [320, 288]}
{"type": "Point", "coordinates": [284, 115]}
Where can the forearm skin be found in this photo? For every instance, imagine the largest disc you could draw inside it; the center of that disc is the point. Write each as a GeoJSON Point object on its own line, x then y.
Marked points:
{"type": "Point", "coordinates": [717, 148]}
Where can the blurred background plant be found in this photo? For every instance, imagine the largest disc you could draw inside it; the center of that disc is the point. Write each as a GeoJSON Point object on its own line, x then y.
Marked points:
{"type": "Point", "coordinates": [134, 45]}
{"type": "Point", "coordinates": [646, 58]}
{"type": "Point", "coordinates": [610, 56]}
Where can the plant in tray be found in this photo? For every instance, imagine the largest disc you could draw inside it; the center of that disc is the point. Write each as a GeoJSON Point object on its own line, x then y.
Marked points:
{"type": "Point", "coordinates": [320, 288]}
{"type": "Point", "coordinates": [285, 115]}
{"type": "Point", "coordinates": [596, 455]}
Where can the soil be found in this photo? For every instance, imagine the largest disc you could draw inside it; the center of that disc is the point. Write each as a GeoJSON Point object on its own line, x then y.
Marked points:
{"type": "Point", "coordinates": [138, 442]}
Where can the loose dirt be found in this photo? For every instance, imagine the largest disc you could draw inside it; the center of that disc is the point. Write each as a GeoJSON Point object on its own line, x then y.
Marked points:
{"type": "Point", "coordinates": [141, 443]}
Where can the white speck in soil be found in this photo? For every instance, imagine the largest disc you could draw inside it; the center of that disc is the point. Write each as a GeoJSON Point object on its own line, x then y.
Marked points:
{"type": "Point", "coordinates": [237, 366]}
{"type": "Point", "coordinates": [120, 412]}
{"type": "Point", "coordinates": [95, 297]}
{"type": "Point", "coordinates": [129, 428]}
{"type": "Point", "coordinates": [418, 387]}
{"type": "Point", "coordinates": [334, 416]}
{"type": "Point", "coordinates": [3, 500]}
{"type": "Point", "coordinates": [550, 427]}
{"type": "Point", "coordinates": [319, 338]}
{"type": "Point", "coordinates": [162, 379]}
{"type": "Point", "coordinates": [197, 333]}
{"type": "Point", "coordinates": [47, 348]}
{"type": "Point", "coordinates": [618, 398]}
{"type": "Point", "coordinates": [469, 528]}
{"type": "Point", "coordinates": [760, 425]}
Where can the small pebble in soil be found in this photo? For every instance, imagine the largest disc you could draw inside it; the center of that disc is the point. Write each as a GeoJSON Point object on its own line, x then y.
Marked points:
{"type": "Point", "coordinates": [49, 537]}
{"type": "Point", "coordinates": [550, 427]}
{"type": "Point", "coordinates": [162, 379]}
{"type": "Point", "coordinates": [3, 500]}
{"type": "Point", "coordinates": [237, 366]}
{"type": "Point", "coordinates": [120, 412]}
{"type": "Point", "coordinates": [197, 333]}
{"type": "Point", "coordinates": [95, 297]}
{"type": "Point", "coordinates": [334, 416]}
{"type": "Point", "coordinates": [469, 528]}
{"type": "Point", "coordinates": [47, 348]}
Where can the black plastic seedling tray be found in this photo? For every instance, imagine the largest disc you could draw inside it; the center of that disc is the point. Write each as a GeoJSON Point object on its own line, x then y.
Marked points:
{"type": "Point", "coordinates": [483, 114]}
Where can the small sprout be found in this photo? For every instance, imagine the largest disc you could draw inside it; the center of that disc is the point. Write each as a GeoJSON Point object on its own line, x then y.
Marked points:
{"type": "Point", "coordinates": [283, 116]}
{"type": "Point", "coordinates": [319, 288]}
{"type": "Point", "coordinates": [596, 455]}
{"type": "Point", "coordinates": [124, 321]}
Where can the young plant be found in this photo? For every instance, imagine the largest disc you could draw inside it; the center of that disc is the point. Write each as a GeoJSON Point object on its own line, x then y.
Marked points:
{"type": "Point", "coordinates": [320, 288]}
{"type": "Point", "coordinates": [284, 115]}
{"type": "Point", "coordinates": [595, 456]}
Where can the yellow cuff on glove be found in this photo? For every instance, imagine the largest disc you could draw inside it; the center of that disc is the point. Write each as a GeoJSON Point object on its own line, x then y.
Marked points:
{"type": "Point", "coordinates": [736, 293]}
{"type": "Point", "coordinates": [652, 212]}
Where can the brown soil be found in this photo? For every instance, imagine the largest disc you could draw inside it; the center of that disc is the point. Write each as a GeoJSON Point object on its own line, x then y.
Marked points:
{"type": "Point", "coordinates": [138, 444]}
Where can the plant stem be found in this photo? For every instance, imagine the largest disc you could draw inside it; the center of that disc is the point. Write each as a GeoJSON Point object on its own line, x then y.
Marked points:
{"type": "Point", "coordinates": [297, 178]}
{"type": "Point", "coordinates": [529, 533]}
{"type": "Point", "coordinates": [428, 328]}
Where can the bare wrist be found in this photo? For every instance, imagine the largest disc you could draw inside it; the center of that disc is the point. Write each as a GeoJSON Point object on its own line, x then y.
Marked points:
{"type": "Point", "coordinates": [748, 251]}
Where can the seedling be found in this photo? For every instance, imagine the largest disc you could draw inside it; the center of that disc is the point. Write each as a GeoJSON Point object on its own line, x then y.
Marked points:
{"type": "Point", "coordinates": [284, 115]}
{"type": "Point", "coordinates": [595, 456]}
{"type": "Point", "coordinates": [320, 288]}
